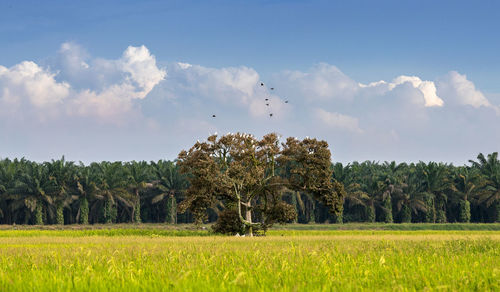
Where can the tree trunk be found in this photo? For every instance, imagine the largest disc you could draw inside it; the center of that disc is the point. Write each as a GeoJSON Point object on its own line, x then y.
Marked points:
{"type": "Point", "coordinates": [248, 217]}
{"type": "Point", "coordinates": [84, 211]}
{"type": "Point", "coordinates": [464, 211]}
{"type": "Point", "coordinates": [405, 214]}
{"type": "Point", "coordinates": [171, 210]}
{"type": "Point", "coordinates": [388, 210]}
{"type": "Point", "coordinates": [39, 214]}
{"type": "Point", "coordinates": [440, 212]}
{"type": "Point", "coordinates": [137, 208]}
{"type": "Point", "coordinates": [108, 212]}
{"type": "Point", "coordinates": [370, 213]}
{"type": "Point", "coordinates": [430, 214]}
{"type": "Point", "coordinates": [60, 214]}
{"type": "Point", "coordinates": [338, 218]}
{"type": "Point", "coordinates": [311, 218]}
{"type": "Point", "coordinates": [294, 204]}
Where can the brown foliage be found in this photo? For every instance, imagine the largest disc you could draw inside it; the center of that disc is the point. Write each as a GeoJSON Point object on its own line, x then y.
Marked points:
{"type": "Point", "coordinates": [251, 174]}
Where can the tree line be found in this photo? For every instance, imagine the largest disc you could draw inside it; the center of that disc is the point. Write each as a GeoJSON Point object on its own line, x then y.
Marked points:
{"type": "Point", "coordinates": [421, 192]}
{"type": "Point", "coordinates": [64, 192]}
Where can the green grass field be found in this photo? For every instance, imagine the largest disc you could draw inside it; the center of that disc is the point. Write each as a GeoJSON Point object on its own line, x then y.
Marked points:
{"type": "Point", "coordinates": [155, 257]}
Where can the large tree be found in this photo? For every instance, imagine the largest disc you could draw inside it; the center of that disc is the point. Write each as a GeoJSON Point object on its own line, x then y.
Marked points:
{"type": "Point", "coordinates": [249, 176]}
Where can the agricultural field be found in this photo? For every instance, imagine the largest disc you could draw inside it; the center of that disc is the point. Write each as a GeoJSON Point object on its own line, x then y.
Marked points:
{"type": "Point", "coordinates": [289, 258]}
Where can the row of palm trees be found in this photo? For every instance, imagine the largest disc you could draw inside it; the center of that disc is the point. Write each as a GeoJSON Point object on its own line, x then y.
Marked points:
{"type": "Point", "coordinates": [421, 192]}
{"type": "Point", "coordinates": [62, 192]}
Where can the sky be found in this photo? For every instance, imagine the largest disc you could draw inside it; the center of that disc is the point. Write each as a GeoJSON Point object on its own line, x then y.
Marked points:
{"type": "Point", "coordinates": [141, 80]}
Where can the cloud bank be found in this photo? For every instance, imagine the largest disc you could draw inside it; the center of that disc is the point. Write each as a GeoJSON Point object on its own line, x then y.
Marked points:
{"type": "Point", "coordinates": [137, 109]}
{"type": "Point", "coordinates": [103, 89]}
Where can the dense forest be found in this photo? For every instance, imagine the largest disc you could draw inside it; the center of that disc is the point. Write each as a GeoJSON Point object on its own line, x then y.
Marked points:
{"type": "Point", "coordinates": [62, 192]}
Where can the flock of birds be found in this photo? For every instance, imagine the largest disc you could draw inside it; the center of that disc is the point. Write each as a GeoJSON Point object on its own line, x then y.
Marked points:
{"type": "Point", "coordinates": [267, 100]}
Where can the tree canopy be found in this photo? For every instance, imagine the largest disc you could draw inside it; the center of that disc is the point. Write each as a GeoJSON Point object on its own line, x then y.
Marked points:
{"type": "Point", "coordinates": [248, 175]}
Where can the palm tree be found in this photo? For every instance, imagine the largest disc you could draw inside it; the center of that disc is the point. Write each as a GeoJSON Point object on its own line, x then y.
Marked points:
{"type": "Point", "coordinates": [467, 183]}
{"type": "Point", "coordinates": [356, 198]}
{"type": "Point", "coordinates": [31, 192]}
{"type": "Point", "coordinates": [357, 179]}
{"type": "Point", "coordinates": [362, 199]}
{"type": "Point", "coordinates": [7, 174]}
{"type": "Point", "coordinates": [139, 175]}
{"type": "Point", "coordinates": [169, 185]}
{"type": "Point", "coordinates": [86, 188]}
{"type": "Point", "coordinates": [393, 180]}
{"type": "Point", "coordinates": [435, 184]}
{"type": "Point", "coordinates": [409, 201]}
{"type": "Point", "coordinates": [111, 190]}
{"type": "Point", "coordinates": [488, 197]}
{"type": "Point", "coordinates": [62, 176]}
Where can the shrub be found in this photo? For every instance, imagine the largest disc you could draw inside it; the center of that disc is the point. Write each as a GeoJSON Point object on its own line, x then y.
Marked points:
{"type": "Point", "coordinates": [229, 223]}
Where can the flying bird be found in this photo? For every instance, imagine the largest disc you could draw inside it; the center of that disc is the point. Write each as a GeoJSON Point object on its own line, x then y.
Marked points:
{"type": "Point", "coordinates": [261, 84]}
{"type": "Point", "coordinates": [213, 116]}
{"type": "Point", "coordinates": [267, 99]}
{"type": "Point", "coordinates": [267, 104]}
{"type": "Point", "coordinates": [270, 115]}
{"type": "Point", "coordinates": [272, 88]}
{"type": "Point", "coordinates": [286, 101]}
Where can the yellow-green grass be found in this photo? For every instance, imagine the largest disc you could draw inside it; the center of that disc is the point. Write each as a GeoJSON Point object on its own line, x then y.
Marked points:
{"type": "Point", "coordinates": [288, 260]}
{"type": "Point", "coordinates": [392, 226]}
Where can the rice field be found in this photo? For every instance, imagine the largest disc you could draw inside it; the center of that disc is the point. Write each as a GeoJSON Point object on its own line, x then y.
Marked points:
{"type": "Point", "coordinates": [152, 259]}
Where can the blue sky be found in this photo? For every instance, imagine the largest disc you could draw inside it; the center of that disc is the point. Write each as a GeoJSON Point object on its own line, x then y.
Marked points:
{"type": "Point", "coordinates": [110, 70]}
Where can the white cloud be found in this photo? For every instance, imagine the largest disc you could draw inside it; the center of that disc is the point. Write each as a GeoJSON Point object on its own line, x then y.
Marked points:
{"type": "Point", "coordinates": [426, 88]}
{"type": "Point", "coordinates": [99, 88]}
{"type": "Point", "coordinates": [234, 84]}
{"type": "Point", "coordinates": [326, 82]}
{"type": "Point", "coordinates": [131, 99]}
{"type": "Point", "coordinates": [141, 65]}
{"type": "Point", "coordinates": [338, 121]}
{"type": "Point", "coordinates": [321, 82]}
{"type": "Point", "coordinates": [230, 86]}
{"type": "Point", "coordinates": [28, 83]}
{"type": "Point", "coordinates": [457, 89]}
{"type": "Point", "coordinates": [109, 105]}
{"type": "Point", "coordinates": [131, 77]}
{"type": "Point", "coordinates": [73, 57]}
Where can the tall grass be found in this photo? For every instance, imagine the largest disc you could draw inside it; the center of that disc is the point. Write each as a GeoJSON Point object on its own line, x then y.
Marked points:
{"type": "Point", "coordinates": [392, 226]}
{"type": "Point", "coordinates": [327, 260]}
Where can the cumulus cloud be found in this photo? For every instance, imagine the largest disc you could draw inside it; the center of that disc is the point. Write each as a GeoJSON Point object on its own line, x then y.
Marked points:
{"type": "Point", "coordinates": [131, 96]}
{"type": "Point", "coordinates": [28, 82]}
{"type": "Point", "coordinates": [457, 89]}
{"type": "Point", "coordinates": [232, 84]}
{"type": "Point", "coordinates": [139, 75]}
{"type": "Point", "coordinates": [338, 121]}
{"type": "Point", "coordinates": [325, 82]}
{"type": "Point", "coordinates": [72, 58]}
{"type": "Point", "coordinates": [100, 88]}
{"type": "Point", "coordinates": [235, 86]}
{"type": "Point", "coordinates": [141, 65]}
{"type": "Point", "coordinates": [321, 82]}
{"type": "Point", "coordinates": [426, 88]}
